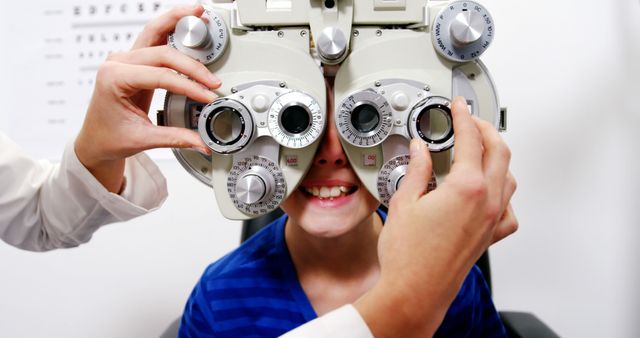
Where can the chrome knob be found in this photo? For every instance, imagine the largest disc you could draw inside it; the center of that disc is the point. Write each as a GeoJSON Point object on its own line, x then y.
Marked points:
{"type": "Point", "coordinates": [466, 28]}
{"type": "Point", "coordinates": [251, 188]}
{"type": "Point", "coordinates": [331, 44]}
{"type": "Point", "coordinates": [204, 39]}
{"type": "Point", "coordinates": [462, 31]}
{"type": "Point", "coordinates": [256, 185]}
{"type": "Point", "coordinates": [192, 32]}
{"type": "Point", "coordinates": [395, 178]}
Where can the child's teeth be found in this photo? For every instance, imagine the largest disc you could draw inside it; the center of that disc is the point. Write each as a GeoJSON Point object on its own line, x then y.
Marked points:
{"type": "Point", "coordinates": [325, 192]}
{"type": "Point", "coordinates": [335, 192]}
{"type": "Point", "coordinates": [328, 192]}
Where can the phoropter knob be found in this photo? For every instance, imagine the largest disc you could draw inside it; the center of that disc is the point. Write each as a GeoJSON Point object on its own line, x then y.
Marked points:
{"type": "Point", "coordinates": [192, 32]}
{"type": "Point", "coordinates": [251, 188]}
{"type": "Point", "coordinates": [462, 31]}
{"type": "Point", "coordinates": [395, 178]}
{"type": "Point", "coordinates": [255, 185]}
{"type": "Point", "coordinates": [466, 28]}
{"type": "Point", "coordinates": [331, 45]}
{"type": "Point", "coordinates": [203, 39]}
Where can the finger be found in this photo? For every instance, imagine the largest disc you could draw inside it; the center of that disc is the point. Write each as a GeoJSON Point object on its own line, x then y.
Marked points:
{"type": "Point", "coordinates": [415, 182]}
{"type": "Point", "coordinates": [468, 142]}
{"type": "Point", "coordinates": [507, 225]}
{"type": "Point", "coordinates": [165, 56]}
{"type": "Point", "coordinates": [155, 32]}
{"type": "Point", "coordinates": [133, 78]}
{"type": "Point", "coordinates": [174, 137]}
{"type": "Point", "coordinates": [509, 189]}
{"type": "Point", "coordinates": [496, 157]}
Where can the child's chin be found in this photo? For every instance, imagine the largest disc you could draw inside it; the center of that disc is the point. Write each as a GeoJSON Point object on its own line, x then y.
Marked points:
{"type": "Point", "coordinates": [328, 228]}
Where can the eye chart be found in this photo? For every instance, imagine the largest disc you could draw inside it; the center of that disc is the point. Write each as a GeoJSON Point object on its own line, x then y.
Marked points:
{"type": "Point", "coordinates": [49, 59]}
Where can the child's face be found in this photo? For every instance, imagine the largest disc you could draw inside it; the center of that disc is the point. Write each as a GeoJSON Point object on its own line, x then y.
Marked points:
{"type": "Point", "coordinates": [330, 200]}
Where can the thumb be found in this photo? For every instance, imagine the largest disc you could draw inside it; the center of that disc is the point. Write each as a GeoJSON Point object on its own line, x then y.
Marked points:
{"type": "Point", "coordinates": [418, 175]}
{"type": "Point", "coordinates": [174, 137]}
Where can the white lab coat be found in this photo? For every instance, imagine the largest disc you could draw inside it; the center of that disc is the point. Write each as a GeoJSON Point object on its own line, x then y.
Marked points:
{"type": "Point", "coordinates": [44, 206]}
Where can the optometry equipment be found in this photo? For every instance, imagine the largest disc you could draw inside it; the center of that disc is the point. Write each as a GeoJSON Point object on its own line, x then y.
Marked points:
{"type": "Point", "coordinates": [399, 63]}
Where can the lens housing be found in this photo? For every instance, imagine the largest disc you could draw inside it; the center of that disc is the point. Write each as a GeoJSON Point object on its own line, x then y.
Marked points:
{"type": "Point", "coordinates": [364, 118]}
{"type": "Point", "coordinates": [295, 120]}
{"type": "Point", "coordinates": [431, 121]}
{"type": "Point", "coordinates": [225, 126]}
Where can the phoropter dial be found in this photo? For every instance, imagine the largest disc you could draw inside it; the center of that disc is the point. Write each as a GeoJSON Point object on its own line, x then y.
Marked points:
{"type": "Point", "coordinates": [364, 119]}
{"type": "Point", "coordinates": [225, 126]}
{"type": "Point", "coordinates": [431, 120]}
{"type": "Point", "coordinates": [391, 175]}
{"type": "Point", "coordinates": [295, 120]}
{"type": "Point", "coordinates": [462, 31]}
{"type": "Point", "coordinates": [331, 45]}
{"type": "Point", "coordinates": [204, 38]}
{"type": "Point", "coordinates": [256, 185]}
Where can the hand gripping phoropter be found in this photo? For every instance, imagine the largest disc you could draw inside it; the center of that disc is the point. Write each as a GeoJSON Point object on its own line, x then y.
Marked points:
{"type": "Point", "coordinates": [266, 125]}
{"type": "Point", "coordinates": [405, 91]}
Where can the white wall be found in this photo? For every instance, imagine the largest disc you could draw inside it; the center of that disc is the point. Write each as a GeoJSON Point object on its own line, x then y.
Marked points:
{"type": "Point", "coordinates": [131, 280]}
{"type": "Point", "coordinates": [568, 72]}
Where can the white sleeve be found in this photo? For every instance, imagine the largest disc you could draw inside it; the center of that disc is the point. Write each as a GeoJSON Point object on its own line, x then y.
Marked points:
{"type": "Point", "coordinates": [344, 322]}
{"type": "Point", "coordinates": [45, 206]}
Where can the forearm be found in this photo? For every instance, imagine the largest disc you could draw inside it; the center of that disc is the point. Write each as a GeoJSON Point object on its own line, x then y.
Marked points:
{"type": "Point", "coordinates": [110, 173]}
{"type": "Point", "coordinates": [386, 310]}
{"type": "Point", "coordinates": [21, 218]}
{"type": "Point", "coordinates": [344, 322]}
{"type": "Point", "coordinates": [43, 207]}
{"type": "Point", "coordinates": [400, 311]}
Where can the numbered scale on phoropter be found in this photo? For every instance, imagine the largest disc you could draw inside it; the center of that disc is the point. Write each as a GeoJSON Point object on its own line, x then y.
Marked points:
{"type": "Point", "coordinates": [391, 175]}
{"type": "Point", "coordinates": [364, 119]}
{"type": "Point", "coordinates": [295, 120]}
{"type": "Point", "coordinates": [256, 185]}
{"type": "Point", "coordinates": [462, 31]}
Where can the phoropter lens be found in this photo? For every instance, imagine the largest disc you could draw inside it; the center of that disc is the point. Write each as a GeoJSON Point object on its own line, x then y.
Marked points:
{"type": "Point", "coordinates": [225, 125]}
{"type": "Point", "coordinates": [365, 118]}
{"type": "Point", "coordinates": [295, 119]}
{"type": "Point", "coordinates": [435, 124]}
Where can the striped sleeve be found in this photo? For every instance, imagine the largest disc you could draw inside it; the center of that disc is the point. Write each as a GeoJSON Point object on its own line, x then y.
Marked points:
{"type": "Point", "coordinates": [196, 319]}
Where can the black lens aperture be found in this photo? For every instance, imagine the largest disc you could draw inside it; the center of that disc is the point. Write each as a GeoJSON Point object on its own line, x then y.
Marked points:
{"type": "Point", "coordinates": [295, 119]}
{"type": "Point", "coordinates": [365, 118]}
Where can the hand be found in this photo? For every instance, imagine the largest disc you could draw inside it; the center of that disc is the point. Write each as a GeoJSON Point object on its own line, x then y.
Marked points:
{"type": "Point", "coordinates": [116, 125]}
{"type": "Point", "coordinates": [430, 241]}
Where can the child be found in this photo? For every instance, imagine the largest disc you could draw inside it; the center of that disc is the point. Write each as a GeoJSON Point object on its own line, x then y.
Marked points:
{"type": "Point", "coordinates": [319, 256]}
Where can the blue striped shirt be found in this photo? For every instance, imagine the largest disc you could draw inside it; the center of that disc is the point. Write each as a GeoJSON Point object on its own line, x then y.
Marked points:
{"type": "Point", "coordinates": [254, 292]}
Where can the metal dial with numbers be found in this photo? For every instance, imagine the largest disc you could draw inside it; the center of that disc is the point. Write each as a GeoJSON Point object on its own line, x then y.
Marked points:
{"type": "Point", "coordinates": [295, 120]}
{"type": "Point", "coordinates": [256, 185]}
{"type": "Point", "coordinates": [204, 39]}
{"type": "Point", "coordinates": [364, 119]}
{"type": "Point", "coordinates": [462, 31]}
{"type": "Point", "coordinates": [390, 177]}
